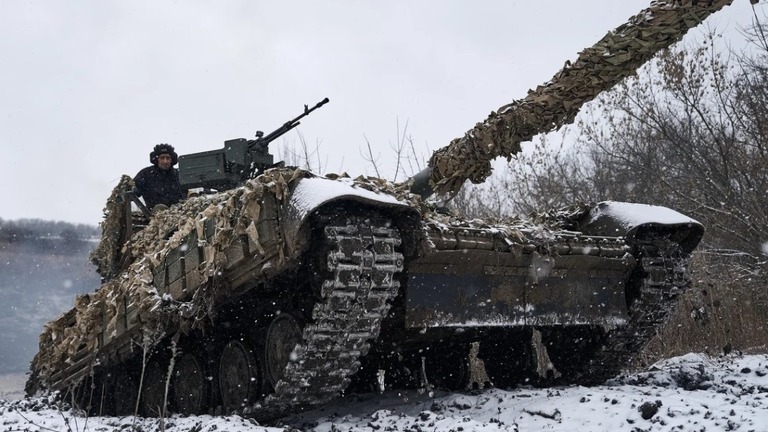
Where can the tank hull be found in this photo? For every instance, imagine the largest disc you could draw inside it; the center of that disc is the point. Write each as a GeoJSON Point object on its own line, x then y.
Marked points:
{"type": "Point", "coordinates": [278, 291]}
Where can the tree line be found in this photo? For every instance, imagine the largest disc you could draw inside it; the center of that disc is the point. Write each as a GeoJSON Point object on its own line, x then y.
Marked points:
{"type": "Point", "coordinates": [48, 235]}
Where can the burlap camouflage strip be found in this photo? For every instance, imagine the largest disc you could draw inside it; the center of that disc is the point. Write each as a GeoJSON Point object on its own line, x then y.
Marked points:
{"type": "Point", "coordinates": [234, 212]}
{"type": "Point", "coordinates": [78, 330]}
{"type": "Point", "coordinates": [598, 68]}
{"type": "Point", "coordinates": [106, 255]}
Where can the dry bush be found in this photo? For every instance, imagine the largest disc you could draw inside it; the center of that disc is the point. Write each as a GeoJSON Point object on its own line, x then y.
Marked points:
{"type": "Point", "coordinates": [689, 132]}
{"type": "Point", "coordinates": [726, 309]}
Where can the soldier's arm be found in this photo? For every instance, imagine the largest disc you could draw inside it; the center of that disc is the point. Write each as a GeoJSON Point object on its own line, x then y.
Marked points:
{"type": "Point", "coordinates": [140, 183]}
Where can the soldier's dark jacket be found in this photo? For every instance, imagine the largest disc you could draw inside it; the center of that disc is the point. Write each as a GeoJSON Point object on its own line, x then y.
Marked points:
{"type": "Point", "coordinates": [158, 186]}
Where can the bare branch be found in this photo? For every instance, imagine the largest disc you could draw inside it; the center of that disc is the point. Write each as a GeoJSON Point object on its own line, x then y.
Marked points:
{"type": "Point", "coordinates": [370, 158]}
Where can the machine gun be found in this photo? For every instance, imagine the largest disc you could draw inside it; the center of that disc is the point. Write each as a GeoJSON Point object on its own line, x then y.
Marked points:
{"type": "Point", "coordinates": [239, 160]}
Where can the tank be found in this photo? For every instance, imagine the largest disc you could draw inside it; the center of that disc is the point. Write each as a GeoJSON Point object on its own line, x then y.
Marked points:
{"type": "Point", "coordinates": [286, 289]}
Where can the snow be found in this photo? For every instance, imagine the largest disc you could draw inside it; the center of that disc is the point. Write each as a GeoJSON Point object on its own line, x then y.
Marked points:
{"type": "Point", "coordinates": [632, 214]}
{"type": "Point", "coordinates": [689, 393]}
{"type": "Point", "coordinates": [311, 193]}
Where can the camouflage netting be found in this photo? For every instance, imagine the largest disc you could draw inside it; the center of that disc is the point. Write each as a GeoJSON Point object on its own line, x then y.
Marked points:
{"type": "Point", "coordinates": [598, 68]}
{"type": "Point", "coordinates": [445, 217]}
{"type": "Point", "coordinates": [235, 213]}
{"type": "Point", "coordinates": [107, 254]}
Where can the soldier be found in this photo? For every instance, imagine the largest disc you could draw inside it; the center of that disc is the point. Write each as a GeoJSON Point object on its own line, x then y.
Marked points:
{"type": "Point", "coordinates": [159, 183]}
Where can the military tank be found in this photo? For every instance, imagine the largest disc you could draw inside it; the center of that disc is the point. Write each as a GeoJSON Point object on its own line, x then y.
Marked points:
{"type": "Point", "coordinates": [285, 289]}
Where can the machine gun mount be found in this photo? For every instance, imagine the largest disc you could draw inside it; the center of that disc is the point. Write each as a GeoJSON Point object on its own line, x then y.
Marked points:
{"type": "Point", "coordinates": [239, 160]}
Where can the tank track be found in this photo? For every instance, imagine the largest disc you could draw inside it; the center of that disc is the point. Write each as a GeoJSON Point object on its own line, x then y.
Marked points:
{"type": "Point", "coordinates": [665, 278]}
{"type": "Point", "coordinates": [362, 266]}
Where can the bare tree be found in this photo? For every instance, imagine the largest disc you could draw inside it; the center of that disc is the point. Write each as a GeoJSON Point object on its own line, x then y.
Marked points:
{"type": "Point", "coordinates": [303, 155]}
{"type": "Point", "coordinates": [689, 132]}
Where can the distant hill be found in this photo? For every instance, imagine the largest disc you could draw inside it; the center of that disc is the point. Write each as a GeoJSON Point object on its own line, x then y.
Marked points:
{"type": "Point", "coordinates": [43, 265]}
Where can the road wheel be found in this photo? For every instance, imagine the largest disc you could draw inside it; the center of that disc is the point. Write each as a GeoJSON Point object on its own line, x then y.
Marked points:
{"type": "Point", "coordinates": [190, 386]}
{"type": "Point", "coordinates": [126, 392]}
{"type": "Point", "coordinates": [448, 369]}
{"type": "Point", "coordinates": [283, 334]}
{"type": "Point", "coordinates": [508, 359]}
{"type": "Point", "coordinates": [153, 392]}
{"type": "Point", "coordinates": [240, 376]}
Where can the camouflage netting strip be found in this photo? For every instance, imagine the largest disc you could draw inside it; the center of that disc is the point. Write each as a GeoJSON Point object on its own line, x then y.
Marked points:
{"type": "Point", "coordinates": [157, 314]}
{"type": "Point", "coordinates": [106, 254]}
{"type": "Point", "coordinates": [598, 68]}
{"type": "Point", "coordinates": [515, 228]}
{"type": "Point", "coordinates": [235, 212]}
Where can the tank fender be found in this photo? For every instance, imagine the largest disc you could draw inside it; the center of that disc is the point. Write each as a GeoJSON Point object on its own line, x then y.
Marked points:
{"type": "Point", "coordinates": [310, 194]}
{"type": "Point", "coordinates": [638, 221]}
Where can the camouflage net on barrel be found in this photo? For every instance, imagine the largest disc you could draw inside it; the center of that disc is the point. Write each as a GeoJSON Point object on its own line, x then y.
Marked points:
{"type": "Point", "coordinates": [598, 68]}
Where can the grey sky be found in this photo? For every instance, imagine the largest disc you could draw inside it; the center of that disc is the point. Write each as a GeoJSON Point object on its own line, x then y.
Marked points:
{"type": "Point", "coordinates": [89, 86]}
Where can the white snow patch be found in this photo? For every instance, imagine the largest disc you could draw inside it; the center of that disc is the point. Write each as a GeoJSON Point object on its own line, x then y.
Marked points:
{"type": "Point", "coordinates": [313, 192]}
{"type": "Point", "coordinates": [692, 392]}
{"type": "Point", "coordinates": [632, 214]}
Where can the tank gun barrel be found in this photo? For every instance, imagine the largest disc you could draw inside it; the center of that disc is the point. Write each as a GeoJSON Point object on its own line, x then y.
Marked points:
{"type": "Point", "coordinates": [554, 104]}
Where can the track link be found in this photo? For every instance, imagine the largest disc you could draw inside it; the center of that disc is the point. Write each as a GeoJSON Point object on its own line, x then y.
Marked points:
{"type": "Point", "coordinates": [665, 278]}
{"type": "Point", "coordinates": [362, 264]}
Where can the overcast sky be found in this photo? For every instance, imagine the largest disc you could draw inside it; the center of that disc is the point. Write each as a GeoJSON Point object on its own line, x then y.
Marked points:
{"type": "Point", "coordinates": [88, 87]}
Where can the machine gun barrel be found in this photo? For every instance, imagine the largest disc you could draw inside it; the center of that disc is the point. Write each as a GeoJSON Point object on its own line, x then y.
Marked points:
{"type": "Point", "coordinates": [287, 126]}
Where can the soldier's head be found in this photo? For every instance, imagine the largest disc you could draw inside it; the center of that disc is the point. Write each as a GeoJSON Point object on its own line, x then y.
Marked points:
{"type": "Point", "coordinates": [164, 156]}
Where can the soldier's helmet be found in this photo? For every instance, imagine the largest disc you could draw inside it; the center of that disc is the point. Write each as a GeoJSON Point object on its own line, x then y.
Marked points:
{"type": "Point", "coordinates": [164, 149]}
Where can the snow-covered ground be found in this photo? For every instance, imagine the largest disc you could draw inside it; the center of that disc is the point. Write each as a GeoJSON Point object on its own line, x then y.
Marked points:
{"type": "Point", "coordinates": [688, 393]}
